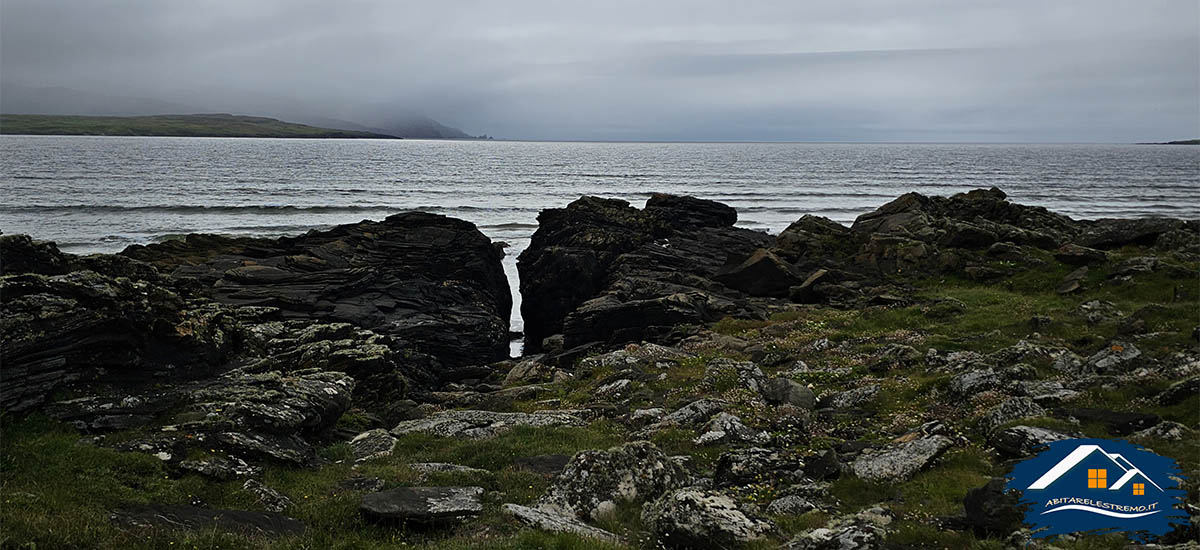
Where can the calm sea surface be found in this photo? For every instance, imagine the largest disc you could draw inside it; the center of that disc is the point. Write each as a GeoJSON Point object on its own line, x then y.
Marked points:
{"type": "Point", "coordinates": [101, 194]}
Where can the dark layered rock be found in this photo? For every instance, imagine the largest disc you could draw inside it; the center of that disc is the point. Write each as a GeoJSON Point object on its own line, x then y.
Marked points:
{"type": "Point", "coordinates": [82, 326]}
{"type": "Point", "coordinates": [600, 270]}
{"type": "Point", "coordinates": [433, 283]}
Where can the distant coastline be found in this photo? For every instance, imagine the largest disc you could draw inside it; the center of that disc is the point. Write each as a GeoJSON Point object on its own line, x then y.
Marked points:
{"type": "Point", "coordinates": [196, 125]}
{"type": "Point", "coordinates": [1178, 142]}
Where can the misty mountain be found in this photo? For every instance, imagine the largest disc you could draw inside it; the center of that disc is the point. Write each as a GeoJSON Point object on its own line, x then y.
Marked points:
{"type": "Point", "coordinates": [20, 99]}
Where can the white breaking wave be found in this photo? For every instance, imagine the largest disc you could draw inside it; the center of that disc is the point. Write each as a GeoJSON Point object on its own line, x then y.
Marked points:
{"type": "Point", "coordinates": [1100, 511]}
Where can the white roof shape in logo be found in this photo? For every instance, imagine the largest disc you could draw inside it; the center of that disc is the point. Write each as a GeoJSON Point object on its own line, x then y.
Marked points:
{"type": "Point", "coordinates": [1083, 451]}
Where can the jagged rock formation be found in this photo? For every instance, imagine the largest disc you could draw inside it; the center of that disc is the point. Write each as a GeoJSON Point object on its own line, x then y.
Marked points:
{"type": "Point", "coordinates": [433, 283]}
{"type": "Point", "coordinates": [600, 270]}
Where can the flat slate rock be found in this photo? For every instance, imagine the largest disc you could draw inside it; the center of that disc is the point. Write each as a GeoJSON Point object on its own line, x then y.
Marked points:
{"type": "Point", "coordinates": [195, 518]}
{"type": "Point", "coordinates": [556, 523]}
{"type": "Point", "coordinates": [423, 505]}
{"type": "Point", "coordinates": [473, 424]}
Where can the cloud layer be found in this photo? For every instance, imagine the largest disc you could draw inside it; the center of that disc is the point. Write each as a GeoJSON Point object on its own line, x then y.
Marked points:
{"type": "Point", "coordinates": [772, 70]}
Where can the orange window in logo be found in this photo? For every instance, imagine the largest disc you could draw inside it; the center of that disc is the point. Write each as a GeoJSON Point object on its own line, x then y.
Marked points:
{"type": "Point", "coordinates": [1139, 488]}
{"type": "Point", "coordinates": [1097, 479]}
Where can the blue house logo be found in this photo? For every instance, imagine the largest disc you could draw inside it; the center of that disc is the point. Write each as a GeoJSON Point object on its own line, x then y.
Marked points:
{"type": "Point", "coordinates": [1099, 486]}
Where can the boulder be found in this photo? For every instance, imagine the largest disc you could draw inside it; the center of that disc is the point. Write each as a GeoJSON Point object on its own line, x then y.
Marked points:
{"type": "Point", "coordinates": [761, 274]}
{"type": "Point", "coordinates": [785, 391]}
{"type": "Point", "coordinates": [791, 505]}
{"type": "Point", "coordinates": [865, 530]}
{"type": "Point", "coordinates": [694, 518]}
{"type": "Point", "coordinates": [1109, 234]}
{"type": "Point", "coordinates": [1016, 408]}
{"type": "Point", "coordinates": [433, 282]}
{"type": "Point", "coordinates": [422, 505]}
{"type": "Point", "coordinates": [372, 444]}
{"type": "Point", "coordinates": [556, 523]}
{"type": "Point", "coordinates": [603, 271]}
{"type": "Point", "coordinates": [268, 498]}
{"type": "Point", "coordinates": [992, 510]}
{"type": "Point", "coordinates": [856, 397]}
{"type": "Point", "coordinates": [757, 465]}
{"type": "Point", "coordinates": [1076, 255]}
{"type": "Point", "coordinates": [592, 484]}
{"type": "Point", "coordinates": [1023, 441]}
{"type": "Point", "coordinates": [899, 462]}
{"type": "Point", "coordinates": [725, 428]}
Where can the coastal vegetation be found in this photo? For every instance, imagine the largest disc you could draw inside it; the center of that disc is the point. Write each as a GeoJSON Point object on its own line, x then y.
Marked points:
{"type": "Point", "coordinates": [866, 383]}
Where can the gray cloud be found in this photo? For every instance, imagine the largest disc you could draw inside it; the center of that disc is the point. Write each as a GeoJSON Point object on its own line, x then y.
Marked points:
{"type": "Point", "coordinates": [878, 70]}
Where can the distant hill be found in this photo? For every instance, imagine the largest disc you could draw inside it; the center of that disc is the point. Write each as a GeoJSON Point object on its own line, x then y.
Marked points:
{"type": "Point", "coordinates": [18, 98]}
{"type": "Point", "coordinates": [1182, 142]}
{"type": "Point", "coordinates": [202, 125]}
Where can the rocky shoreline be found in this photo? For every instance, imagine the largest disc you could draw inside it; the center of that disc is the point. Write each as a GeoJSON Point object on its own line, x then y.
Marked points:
{"type": "Point", "coordinates": [687, 383]}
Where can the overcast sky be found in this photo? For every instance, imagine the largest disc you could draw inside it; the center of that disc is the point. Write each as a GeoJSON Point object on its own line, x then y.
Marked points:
{"type": "Point", "coordinates": [934, 70]}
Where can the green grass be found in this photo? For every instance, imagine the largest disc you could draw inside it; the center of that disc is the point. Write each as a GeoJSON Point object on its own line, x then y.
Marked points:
{"type": "Point", "coordinates": [203, 125]}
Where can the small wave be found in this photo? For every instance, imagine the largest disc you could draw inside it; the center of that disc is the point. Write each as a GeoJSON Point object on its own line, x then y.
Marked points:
{"type": "Point", "coordinates": [513, 225]}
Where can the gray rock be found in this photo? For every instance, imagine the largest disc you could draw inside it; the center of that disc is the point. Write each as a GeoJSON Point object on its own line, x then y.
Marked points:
{"type": "Point", "coordinates": [693, 518]}
{"type": "Point", "coordinates": [856, 397]}
{"type": "Point", "coordinates": [427, 468]}
{"type": "Point", "coordinates": [616, 389]}
{"type": "Point", "coordinates": [726, 428]}
{"type": "Point", "coordinates": [423, 505]}
{"type": "Point", "coordinates": [755, 465]}
{"type": "Point", "coordinates": [1022, 441]}
{"type": "Point", "coordinates": [972, 382]}
{"type": "Point", "coordinates": [1073, 281]}
{"type": "Point", "coordinates": [594, 481]}
{"type": "Point", "coordinates": [1168, 431]}
{"type": "Point", "coordinates": [482, 424]}
{"type": "Point", "coordinates": [1116, 358]}
{"type": "Point", "coordinates": [530, 371]}
{"type": "Point", "coordinates": [899, 462]}
{"type": "Point", "coordinates": [743, 374]}
{"type": "Point", "coordinates": [1016, 408]}
{"type": "Point", "coordinates": [556, 523]}
{"type": "Point", "coordinates": [270, 499]}
{"type": "Point", "coordinates": [785, 391]}
{"type": "Point", "coordinates": [372, 444]}
{"type": "Point", "coordinates": [695, 412]}
{"type": "Point", "coordinates": [219, 467]}
{"type": "Point", "coordinates": [791, 505]}
{"type": "Point", "coordinates": [865, 530]}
